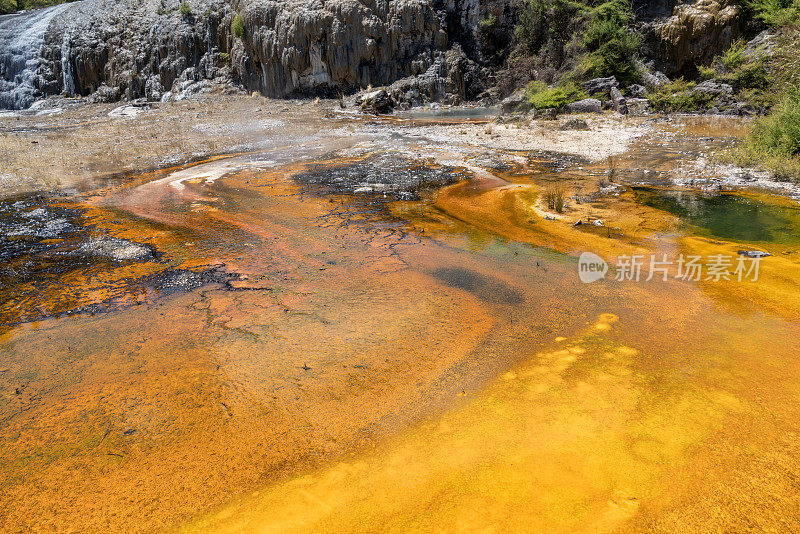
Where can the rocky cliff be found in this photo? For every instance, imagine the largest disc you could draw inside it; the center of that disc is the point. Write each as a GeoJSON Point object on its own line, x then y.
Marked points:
{"type": "Point", "coordinates": [166, 49]}
{"type": "Point", "coordinates": [162, 49]}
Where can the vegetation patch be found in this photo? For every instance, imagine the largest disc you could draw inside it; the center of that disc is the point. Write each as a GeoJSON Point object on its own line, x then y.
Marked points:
{"type": "Point", "coordinates": [540, 96]}
{"type": "Point", "coordinates": [679, 96]}
{"type": "Point", "coordinates": [580, 39]}
{"type": "Point", "coordinates": [776, 13]}
{"type": "Point", "coordinates": [774, 140]}
{"type": "Point", "coordinates": [10, 6]}
{"type": "Point", "coordinates": [238, 26]}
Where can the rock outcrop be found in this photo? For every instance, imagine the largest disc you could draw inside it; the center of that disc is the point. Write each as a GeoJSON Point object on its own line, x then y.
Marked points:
{"type": "Point", "coordinates": [132, 51]}
{"type": "Point", "coordinates": [166, 49]}
{"type": "Point", "coordinates": [694, 33]}
{"type": "Point", "coordinates": [299, 47]}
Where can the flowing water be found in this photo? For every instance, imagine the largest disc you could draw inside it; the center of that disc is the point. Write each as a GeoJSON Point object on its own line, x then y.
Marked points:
{"type": "Point", "coordinates": [372, 329]}
{"type": "Point", "coordinates": [21, 38]}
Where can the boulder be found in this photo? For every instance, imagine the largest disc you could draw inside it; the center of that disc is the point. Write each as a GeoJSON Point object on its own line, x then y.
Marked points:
{"type": "Point", "coordinates": [514, 102]}
{"type": "Point", "coordinates": [638, 106]}
{"type": "Point", "coordinates": [654, 80]}
{"type": "Point", "coordinates": [587, 105]}
{"type": "Point", "coordinates": [378, 102]}
{"type": "Point", "coordinates": [637, 91]}
{"type": "Point", "coordinates": [574, 124]}
{"type": "Point", "coordinates": [618, 102]}
{"type": "Point", "coordinates": [600, 85]}
{"type": "Point", "coordinates": [716, 89]}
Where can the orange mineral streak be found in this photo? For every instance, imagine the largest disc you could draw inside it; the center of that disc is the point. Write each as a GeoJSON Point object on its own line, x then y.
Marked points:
{"type": "Point", "coordinates": [422, 368]}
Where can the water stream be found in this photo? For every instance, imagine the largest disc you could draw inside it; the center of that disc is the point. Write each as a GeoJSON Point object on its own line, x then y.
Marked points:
{"type": "Point", "coordinates": [21, 38]}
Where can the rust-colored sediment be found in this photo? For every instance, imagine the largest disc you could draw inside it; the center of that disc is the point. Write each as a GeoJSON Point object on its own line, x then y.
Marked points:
{"type": "Point", "coordinates": [421, 367]}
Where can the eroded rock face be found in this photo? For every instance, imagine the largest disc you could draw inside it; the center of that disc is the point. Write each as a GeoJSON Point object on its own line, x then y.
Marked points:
{"type": "Point", "coordinates": [694, 34]}
{"type": "Point", "coordinates": [301, 47]}
{"type": "Point", "coordinates": [121, 50]}
{"type": "Point", "coordinates": [156, 50]}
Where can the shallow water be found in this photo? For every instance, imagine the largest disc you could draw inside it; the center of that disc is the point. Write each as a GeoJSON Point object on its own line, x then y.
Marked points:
{"type": "Point", "coordinates": [346, 334]}
{"type": "Point", "coordinates": [729, 215]}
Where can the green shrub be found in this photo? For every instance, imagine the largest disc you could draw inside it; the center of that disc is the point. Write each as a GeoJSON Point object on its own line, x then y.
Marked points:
{"type": "Point", "coordinates": [740, 71]}
{"type": "Point", "coordinates": [548, 24]}
{"type": "Point", "coordinates": [8, 6]}
{"type": "Point", "coordinates": [776, 12]}
{"type": "Point", "coordinates": [185, 9]}
{"type": "Point", "coordinates": [611, 45]}
{"type": "Point", "coordinates": [238, 26]}
{"type": "Point", "coordinates": [488, 23]}
{"type": "Point", "coordinates": [779, 132]}
{"type": "Point", "coordinates": [540, 96]}
{"type": "Point", "coordinates": [678, 96]}
{"type": "Point", "coordinates": [774, 141]}
{"type": "Point", "coordinates": [734, 57]}
{"type": "Point", "coordinates": [590, 38]}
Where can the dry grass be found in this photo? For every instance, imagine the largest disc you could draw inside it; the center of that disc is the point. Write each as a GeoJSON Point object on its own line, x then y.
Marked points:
{"type": "Point", "coordinates": [554, 197]}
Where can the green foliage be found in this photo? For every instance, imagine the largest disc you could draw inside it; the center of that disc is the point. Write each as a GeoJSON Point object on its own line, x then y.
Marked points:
{"type": "Point", "coordinates": [488, 23]}
{"type": "Point", "coordinates": [185, 9]}
{"type": "Point", "coordinates": [774, 141]}
{"type": "Point", "coordinates": [748, 75]}
{"type": "Point", "coordinates": [678, 96]}
{"type": "Point", "coordinates": [541, 96]}
{"type": "Point", "coordinates": [238, 26]}
{"type": "Point", "coordinates": [8, 6]}
{"type": "Point", "coordinates": [549, 25]}
{"type": "Point", "coordinates": [776, 13]}
{"type": "Point", "coordinates": [595, 38]}
{"type": "Point", "coordinates": [611, 44]}
{"type": "Point", "coordinates": [740, 71]}
{"type": "Point", "coordinates": [779, 132]}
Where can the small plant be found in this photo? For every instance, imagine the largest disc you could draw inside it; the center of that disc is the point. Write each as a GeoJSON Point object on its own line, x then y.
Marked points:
{"type": "Point", "coordinates": [776, 12]}
{"type": "Point", "coordinates": [488, 23]}
{"type": "Point", "coordinates": [678, 96]}
{"type": "Point", "coordinates": [611, 45]}
{"type": "Point", "coordinates": [238, 26]}
{"type": "Point", "coordinates": [541, 96]}
{"type": "Point", "coordinates": [185, 10]}
{"type": "Point", "coordinates": [611, 172]}
{"type": "Point", "coordinates": [554, 197]}
{"type": "Point", "coordinates": [774, 141]}
{"type": "Point", "coordinates": [779, 132]}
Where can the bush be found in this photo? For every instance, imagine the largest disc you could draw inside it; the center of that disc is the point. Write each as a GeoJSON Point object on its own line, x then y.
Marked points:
{"type": "Point", "coordinates": [591, 39]}
{"type": "Point", "coordinates": [8, 6]}
{"type": "Point", "coordinates": [238, 26]}
{"type": "Point", "coordinates": [678, 96]}
{"type": "Point", "coordinates": [776, 12]}
{"type": "Point", "coordinates": [185, 9]}
{"type": "Point", "coordinates": [774, 141]}
{"type": "Point", "coordinates": [779, 132]}
{"type": "Point", "coordinates": [540, 96]}
{"type": "Point", "coordinates": [611, 44]}
{"type": "Point", "coordinates": [554, 197]}
{"type": "Point", "coordinates": [487, 23]}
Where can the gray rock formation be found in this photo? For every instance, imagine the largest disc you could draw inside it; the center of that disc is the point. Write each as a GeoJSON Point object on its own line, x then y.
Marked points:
{"type": "Point", "coordinates": [158, 49]}
{"type": "Point", "coordinates": [601, 85]}
{"type": "Point", "coordinates": [587, 105]}
{"type": "Point", "coordinates": [21, 39]}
